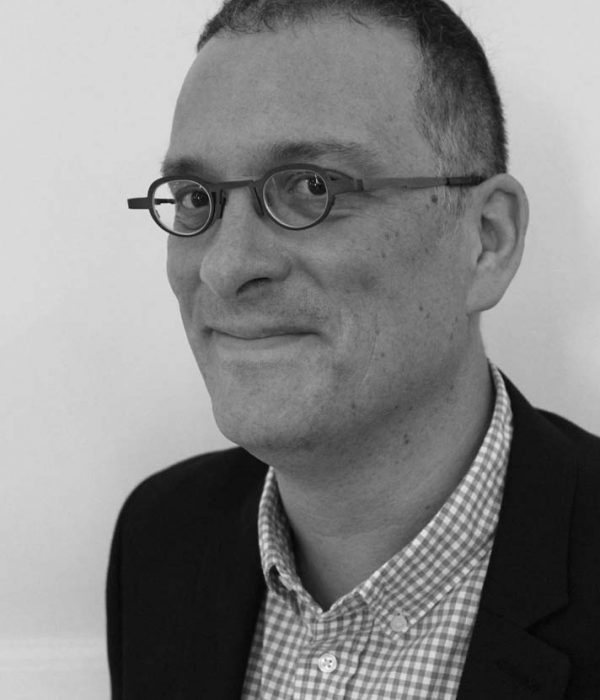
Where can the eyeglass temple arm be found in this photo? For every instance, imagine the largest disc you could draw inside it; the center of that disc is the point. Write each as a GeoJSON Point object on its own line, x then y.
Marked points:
{"type": "Point", "coordinates": [416, 183]}
{"type": "Point", "coordinates": [144, 202]}
{"type": "Point", "coordinates": [138, 203]}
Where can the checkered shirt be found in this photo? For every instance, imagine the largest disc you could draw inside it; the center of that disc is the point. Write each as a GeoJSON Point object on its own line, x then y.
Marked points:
{"type": "Point", "coordinates": [402, 633]}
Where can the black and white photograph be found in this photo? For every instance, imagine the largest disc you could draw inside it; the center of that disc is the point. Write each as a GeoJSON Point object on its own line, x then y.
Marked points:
{"type": "Point", "coordinates": [300, 370]}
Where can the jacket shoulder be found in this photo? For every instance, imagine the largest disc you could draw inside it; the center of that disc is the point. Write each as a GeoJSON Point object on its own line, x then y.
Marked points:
{"type": "Point", "coordinates": [581, 439]}
{"type": "Point", "coordinates": [582, 451]}
{"type": "Point", "coordinates": [543, 435]}
{"type": "Point", "coordinates": [210, 483]}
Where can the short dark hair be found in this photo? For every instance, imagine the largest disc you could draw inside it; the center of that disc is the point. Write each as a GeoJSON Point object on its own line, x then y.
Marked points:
{"type": "Point", "coordinates": [459, 111]}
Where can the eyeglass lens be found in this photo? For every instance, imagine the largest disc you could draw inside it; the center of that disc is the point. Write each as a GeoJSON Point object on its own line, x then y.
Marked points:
{"type": "Point", "coordinates": [296, 198]}
{"type": "Point", "coordinates": [182, 206]}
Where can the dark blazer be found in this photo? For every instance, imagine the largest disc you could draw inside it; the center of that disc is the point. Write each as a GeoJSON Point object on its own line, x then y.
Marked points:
{"type": "Point", "coordinates": [185, 583]}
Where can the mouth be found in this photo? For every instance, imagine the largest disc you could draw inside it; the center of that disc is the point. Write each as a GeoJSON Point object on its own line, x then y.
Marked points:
{"type": "Point", "coordinates": [247, 340]}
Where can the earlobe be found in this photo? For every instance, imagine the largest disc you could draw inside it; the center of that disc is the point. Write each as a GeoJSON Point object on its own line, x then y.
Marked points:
{"type": "Point", "coordinates": [499, 216]}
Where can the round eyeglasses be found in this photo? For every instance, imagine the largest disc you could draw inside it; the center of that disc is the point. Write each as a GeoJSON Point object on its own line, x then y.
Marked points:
{"type": "Point", "coordinates": [296, 196]}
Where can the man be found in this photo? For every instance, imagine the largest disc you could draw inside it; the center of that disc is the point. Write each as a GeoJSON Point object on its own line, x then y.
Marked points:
{"type": "Point", "coordinates": [399, 521]}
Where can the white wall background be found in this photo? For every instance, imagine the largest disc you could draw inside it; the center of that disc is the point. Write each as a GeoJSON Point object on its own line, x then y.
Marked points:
{"type": "Point", "coordinates": [97, 386]}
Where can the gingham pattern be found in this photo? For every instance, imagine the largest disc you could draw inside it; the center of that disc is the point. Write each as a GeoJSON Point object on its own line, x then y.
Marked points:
{"type": "Point", "coordinates": [402, 633]}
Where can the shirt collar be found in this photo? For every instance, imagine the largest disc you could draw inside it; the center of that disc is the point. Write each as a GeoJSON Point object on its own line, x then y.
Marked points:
{"type": "Point", "coordinates": [434, 562]}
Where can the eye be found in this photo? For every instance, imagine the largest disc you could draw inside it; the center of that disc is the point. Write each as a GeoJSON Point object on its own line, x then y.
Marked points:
{"type": "Point", "coordinates": [192, 198]}
{"type": "Point", "coordinates": [306, 184]}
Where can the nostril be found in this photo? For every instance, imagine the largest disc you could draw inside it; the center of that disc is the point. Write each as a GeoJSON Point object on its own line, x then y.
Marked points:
{"type": "Point", "coordinates": [252, 284]}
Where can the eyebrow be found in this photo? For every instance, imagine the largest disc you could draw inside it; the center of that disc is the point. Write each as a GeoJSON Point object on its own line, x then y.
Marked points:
{"type": "Point", "coordinates": [281, 152]}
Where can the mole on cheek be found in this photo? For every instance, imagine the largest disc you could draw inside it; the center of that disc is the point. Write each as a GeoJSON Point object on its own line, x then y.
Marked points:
{"type": "Point", "coordinates": [434, 199]}
{"type": "Point", "coordinates": [367, 282]}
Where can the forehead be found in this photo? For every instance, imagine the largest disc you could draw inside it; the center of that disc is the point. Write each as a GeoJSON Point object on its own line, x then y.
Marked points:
{"type": "Point", "coordinates": [326, 82]}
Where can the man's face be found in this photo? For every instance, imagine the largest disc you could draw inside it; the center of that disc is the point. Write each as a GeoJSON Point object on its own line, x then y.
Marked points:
{"type": "Point", "coordinates": [323, 336]}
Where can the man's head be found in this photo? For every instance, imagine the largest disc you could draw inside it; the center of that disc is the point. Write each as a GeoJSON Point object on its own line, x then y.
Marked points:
{"type": "Point", "coordinates": [315, 337]}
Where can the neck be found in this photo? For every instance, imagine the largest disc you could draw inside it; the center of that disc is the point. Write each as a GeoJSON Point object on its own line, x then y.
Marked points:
{"type": "Point", "coordinates": [352, 511]}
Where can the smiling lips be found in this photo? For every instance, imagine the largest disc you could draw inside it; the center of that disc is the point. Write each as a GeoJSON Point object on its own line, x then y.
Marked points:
{"type": "Point", "coordinates": [257, 338]}
{"type": "Point", "coordinates": [259, 333]}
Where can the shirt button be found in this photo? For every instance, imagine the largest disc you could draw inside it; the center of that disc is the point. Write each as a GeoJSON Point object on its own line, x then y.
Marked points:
{"type": "Point", "coordinates": [327, 663]}
{"type": "Point", "coordinates": [399, 623]}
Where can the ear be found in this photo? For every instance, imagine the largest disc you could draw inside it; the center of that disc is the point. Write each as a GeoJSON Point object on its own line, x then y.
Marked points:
{"type": "Point", "coordinates": [498, 218]}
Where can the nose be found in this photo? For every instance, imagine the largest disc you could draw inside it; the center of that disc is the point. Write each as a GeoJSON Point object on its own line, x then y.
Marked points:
{"type": "Point", "coordinates": [242, 251]}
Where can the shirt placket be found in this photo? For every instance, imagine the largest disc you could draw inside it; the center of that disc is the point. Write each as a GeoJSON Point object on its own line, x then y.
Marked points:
{"type": "Point", "coordinates": [330, 656]}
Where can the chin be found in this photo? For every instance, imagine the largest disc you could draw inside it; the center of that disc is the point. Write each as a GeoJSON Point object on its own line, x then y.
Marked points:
{"type": "Point", "coordinates": [263, 430]}
{"type": "Point", "coordinates": [266, 442]}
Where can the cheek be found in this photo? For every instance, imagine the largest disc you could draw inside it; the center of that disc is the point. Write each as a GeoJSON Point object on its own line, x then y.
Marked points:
{"type": "Point", "coordinates": [365, 306]}
{"type": "Point", "coordinates": [182, 270]}
{"type": "Point", "coordinates": [175, 259]}
{"type": "Point", "coordinates": [413, 285]}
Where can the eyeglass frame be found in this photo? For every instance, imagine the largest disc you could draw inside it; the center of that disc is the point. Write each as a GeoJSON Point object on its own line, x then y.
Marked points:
{"type": "Point", "coordinates": [343, 185]}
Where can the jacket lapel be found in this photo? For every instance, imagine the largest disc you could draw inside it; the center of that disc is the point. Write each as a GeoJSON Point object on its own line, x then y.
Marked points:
{"type": "Point", "coordinates": [505, 661]}
{"type": "Point", "coordinates": [527, 575]}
